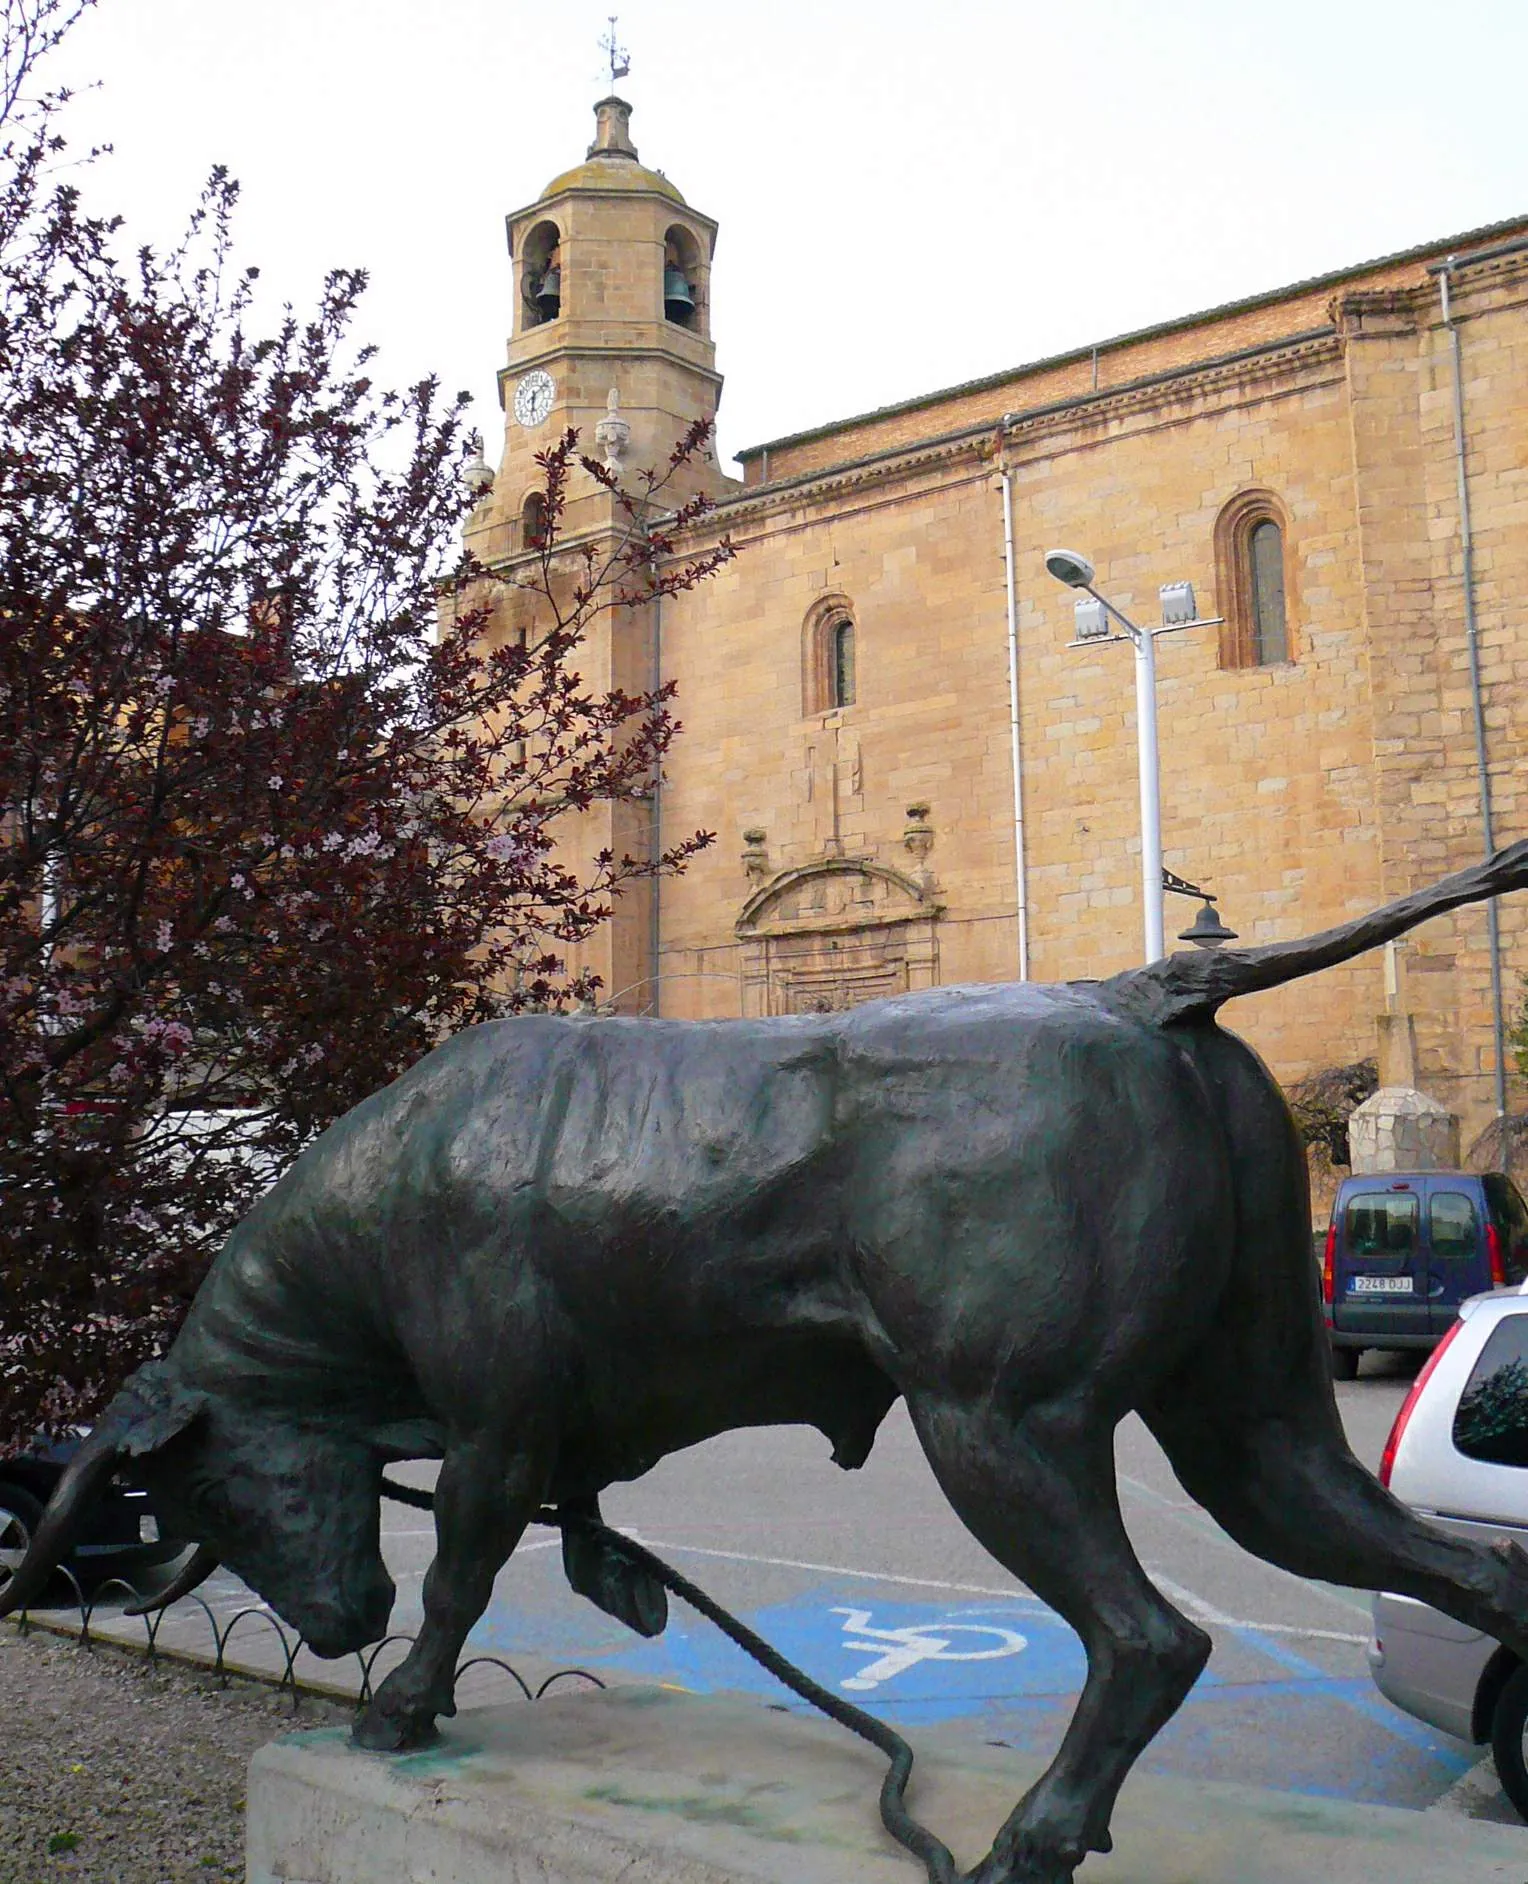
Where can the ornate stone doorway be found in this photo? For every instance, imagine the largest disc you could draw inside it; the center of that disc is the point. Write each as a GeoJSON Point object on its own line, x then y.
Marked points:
{"type": "Point", "coordinates": [834, 933]}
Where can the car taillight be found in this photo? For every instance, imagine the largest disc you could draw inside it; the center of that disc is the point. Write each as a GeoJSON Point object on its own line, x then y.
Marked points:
{"type": "Point", "coordinates": [1329, 1264]}
{"type": "Point", "coordinates": [1494, 1256]}
{"type": "Point", "coordinates": [1408, 1405]}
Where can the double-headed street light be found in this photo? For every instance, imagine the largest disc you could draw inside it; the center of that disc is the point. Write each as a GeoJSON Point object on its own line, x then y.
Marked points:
{"type": "Point", "coordinates": [1092, 618]}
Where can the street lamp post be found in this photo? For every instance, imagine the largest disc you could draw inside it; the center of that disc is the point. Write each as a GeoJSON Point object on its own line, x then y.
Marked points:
{"type": "Point", "coordinates": [1151, 788]}
{"type": "Point", "coordinates": [1092, 619]}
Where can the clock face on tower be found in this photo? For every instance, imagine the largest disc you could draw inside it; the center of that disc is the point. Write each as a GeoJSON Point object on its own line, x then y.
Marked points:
{"type": "Point", "coordinates": [533, 398]}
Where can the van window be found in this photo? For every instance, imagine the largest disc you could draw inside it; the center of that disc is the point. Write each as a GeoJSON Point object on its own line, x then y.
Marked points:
{"type": "Point", "coordinates": [1492, 1421]}
{"type": "Point", "coordinates": [1452, 1225]}
{"type": "Point", "coordinates": [1382, 1223]}
{"type": "Point", "coordinates": [1511, 1214]}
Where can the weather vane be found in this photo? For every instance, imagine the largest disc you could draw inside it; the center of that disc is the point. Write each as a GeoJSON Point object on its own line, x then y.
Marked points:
{"type": "Point", "coordinates": [619, 57]}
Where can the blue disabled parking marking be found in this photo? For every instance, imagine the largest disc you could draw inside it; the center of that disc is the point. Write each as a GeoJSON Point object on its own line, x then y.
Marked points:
{"type": "Point", "coordinates": [895, 1648]}
{"type": "Point", "coordinates": [943, 1660]}
{"type": "Point", "coordinates": [1360, 1696]}
{"type": "Point", "coordinates": [1013, 1668]}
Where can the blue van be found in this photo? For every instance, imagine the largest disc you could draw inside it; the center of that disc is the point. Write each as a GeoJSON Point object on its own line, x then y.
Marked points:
{"type": "Point", "coordinates": [1404, 1249]}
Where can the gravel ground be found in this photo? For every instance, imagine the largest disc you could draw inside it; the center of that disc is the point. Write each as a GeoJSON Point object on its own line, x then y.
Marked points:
{"type": "Point", "coordinates": [113, 1771]}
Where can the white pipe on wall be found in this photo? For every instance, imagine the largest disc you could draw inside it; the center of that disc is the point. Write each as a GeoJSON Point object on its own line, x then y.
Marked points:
{"type": "Point", "coordinates": [1021, 891]}
{"type": "Point", "coordinates": [1477, 697]}
{"type": "Point", "coordinates": [1153, 937]}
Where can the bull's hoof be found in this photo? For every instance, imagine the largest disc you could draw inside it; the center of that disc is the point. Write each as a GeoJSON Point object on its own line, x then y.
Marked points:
{"type": "Point", "coordinates": [380, 1731]}
{"type": "Point", "coordinates": [1511, 1624]}
{"type": "Point", "coordinates": [1514, 1558]}
{"type": "Point", "coordinates": [621, 1588]}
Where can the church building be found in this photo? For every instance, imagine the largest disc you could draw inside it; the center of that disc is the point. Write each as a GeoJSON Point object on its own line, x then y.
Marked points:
{"type": "Point", "coordinates": [921, 765]}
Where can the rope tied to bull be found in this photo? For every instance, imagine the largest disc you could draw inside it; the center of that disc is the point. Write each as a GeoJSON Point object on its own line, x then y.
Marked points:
{"type": "Point", "coordinates": [935, 1857]}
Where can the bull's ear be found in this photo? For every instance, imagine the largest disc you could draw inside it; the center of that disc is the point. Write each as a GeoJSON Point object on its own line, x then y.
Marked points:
{"type": "Point", "coordinates": [151, 1409]}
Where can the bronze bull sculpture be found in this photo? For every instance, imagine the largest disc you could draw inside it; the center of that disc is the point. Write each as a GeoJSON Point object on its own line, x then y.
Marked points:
{"type": "Point", "coordinates": [558, 1249]}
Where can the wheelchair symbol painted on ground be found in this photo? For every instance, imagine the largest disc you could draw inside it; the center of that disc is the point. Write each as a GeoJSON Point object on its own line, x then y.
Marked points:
{"type": "Point", "coordinates": [896, 1650]}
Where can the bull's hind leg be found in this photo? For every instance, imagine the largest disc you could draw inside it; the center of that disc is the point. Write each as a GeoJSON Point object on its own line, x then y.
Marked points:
{"type": "Point", "coordinates": [1272, 1466]}
{"type": "Point", "coordinates": [1039, 1493]}
{"type": "Point", "coordinates": [1249, 1420]}
{"type": "Point", "coordinates": [483, 1502]}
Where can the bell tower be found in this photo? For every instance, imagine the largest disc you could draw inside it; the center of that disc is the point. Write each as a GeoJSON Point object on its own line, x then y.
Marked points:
{"type": "Point", "coordinates": [611, 334]}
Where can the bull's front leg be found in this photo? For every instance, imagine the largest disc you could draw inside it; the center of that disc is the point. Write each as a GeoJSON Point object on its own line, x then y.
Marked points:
{"type": "Point", "coordinates": [483, 1502]}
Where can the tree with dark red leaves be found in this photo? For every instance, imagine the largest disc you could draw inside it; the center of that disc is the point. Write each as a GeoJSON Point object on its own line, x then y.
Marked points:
{"type": "Point", "coordinates": [279, 805]}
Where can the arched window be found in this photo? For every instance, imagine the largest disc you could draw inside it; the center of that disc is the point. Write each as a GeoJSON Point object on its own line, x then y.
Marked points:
{"type": "Point", "coordinates": [533, 522]}
{"type": "Point", "coordinates": [842, 653]}
{"type": "Point", "coordinates": [1251, 571]}
{"type": "Point", "coordinates": [828, 664]}
{"type": "Point", "coordinates": [682, 290]}
{"type": "Point", "coordinates": [1265, 571]}
{"type": "Point", "coordinates": [541, 275]}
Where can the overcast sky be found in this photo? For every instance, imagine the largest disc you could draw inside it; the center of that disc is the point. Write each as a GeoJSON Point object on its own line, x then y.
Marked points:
{"type": "Point", "coordinates": [909, 195]}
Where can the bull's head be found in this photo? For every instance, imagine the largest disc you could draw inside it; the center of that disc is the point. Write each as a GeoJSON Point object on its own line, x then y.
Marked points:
{"type": "Point", "coordinates": [292, 1507]}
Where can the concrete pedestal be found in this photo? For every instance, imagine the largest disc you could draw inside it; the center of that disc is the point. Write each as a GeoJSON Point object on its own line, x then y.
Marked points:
{"type": "Point", "coordinates": [645, 1786]}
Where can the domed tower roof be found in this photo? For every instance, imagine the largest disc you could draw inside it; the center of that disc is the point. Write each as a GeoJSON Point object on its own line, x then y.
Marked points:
{"type": "Point", "coordinates": [611, 308]}
{"type": "Point", "coordinates": [611, 161]}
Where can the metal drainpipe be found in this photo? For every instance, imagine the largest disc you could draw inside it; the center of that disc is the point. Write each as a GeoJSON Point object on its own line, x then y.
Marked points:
{"type": "Point", "coordinates": [1472, 641]}
{"type": "Point", "coordinates": [1021, 889]}
{"type": "Point", "coordinates": [655, 908]}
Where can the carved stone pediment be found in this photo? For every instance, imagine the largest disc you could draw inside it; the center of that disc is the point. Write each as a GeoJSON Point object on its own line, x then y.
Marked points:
{"type": "Point", "coordinates": [834, 893]}
{"type": "Point", "coordinates": [830, 934]}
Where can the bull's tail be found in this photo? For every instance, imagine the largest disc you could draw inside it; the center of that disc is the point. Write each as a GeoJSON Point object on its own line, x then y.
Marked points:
{"type": "Point", "coordinates": [1190, 987]}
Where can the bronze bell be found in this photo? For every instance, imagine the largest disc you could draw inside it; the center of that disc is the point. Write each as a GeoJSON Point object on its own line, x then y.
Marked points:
{"type": "Point", "coordinates": [549, 294]}
{"type": "Point", "coordinates": [678, 302]}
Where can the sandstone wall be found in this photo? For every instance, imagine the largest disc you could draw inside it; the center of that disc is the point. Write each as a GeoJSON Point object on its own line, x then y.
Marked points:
{"type": "Point", "coordinates": [1301, 793]}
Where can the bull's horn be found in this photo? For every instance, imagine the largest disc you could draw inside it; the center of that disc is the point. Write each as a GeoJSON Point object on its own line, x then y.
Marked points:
{"type": "Point", "coordinates": [194, 1571]}
{"type": "Point", "coordinates": [67, 1510]}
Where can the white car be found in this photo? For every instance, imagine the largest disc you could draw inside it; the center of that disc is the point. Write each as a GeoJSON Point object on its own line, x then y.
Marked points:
{"type": "Point", "coordinates": [1458, 1454]}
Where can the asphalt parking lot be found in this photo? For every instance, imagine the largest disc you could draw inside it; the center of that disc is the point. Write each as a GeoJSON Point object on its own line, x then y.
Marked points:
{"type": "Point", "coordinates": [869, 1582]}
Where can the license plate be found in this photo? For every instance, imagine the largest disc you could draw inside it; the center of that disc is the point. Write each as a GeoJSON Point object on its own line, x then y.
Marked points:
{"type": "Point", "coordinates": [1381, 1285]}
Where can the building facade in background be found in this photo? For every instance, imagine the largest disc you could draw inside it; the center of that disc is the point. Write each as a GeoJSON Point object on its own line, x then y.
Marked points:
{"type": "Point", "coordinates": [844, 684]}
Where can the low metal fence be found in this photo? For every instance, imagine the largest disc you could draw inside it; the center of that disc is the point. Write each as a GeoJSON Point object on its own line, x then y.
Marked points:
{"type": "Point", "coordinates": [291, 1645]}
{"type": "Point", "coordinates": [899, 1822]}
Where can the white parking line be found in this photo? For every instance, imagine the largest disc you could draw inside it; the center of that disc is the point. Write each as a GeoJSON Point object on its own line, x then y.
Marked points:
{"type": "Point", "coordinates": [548, 1543]}
{"type": "Point", "coordinates": [826, 1569]}
{"type": "Point", "coordinates": [1175, 1592]}
{"type": "Point", "coordinates": [1477, 1788]}
{"type": "Point", "coordinates": [1191, 1518]}
{"type": "Point", "coordinates": [1187, 1600]}
{"type": "Point", "coordinates": [1204, 1611]}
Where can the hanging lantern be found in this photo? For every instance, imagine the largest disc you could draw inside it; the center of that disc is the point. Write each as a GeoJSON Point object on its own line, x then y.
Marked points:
{"type": "Point", "coordinates": [1207, 931]}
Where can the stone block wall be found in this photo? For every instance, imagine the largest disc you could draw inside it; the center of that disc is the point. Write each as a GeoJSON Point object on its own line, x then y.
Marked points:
{"type": "Point", "coordinates": [1301, 793]}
